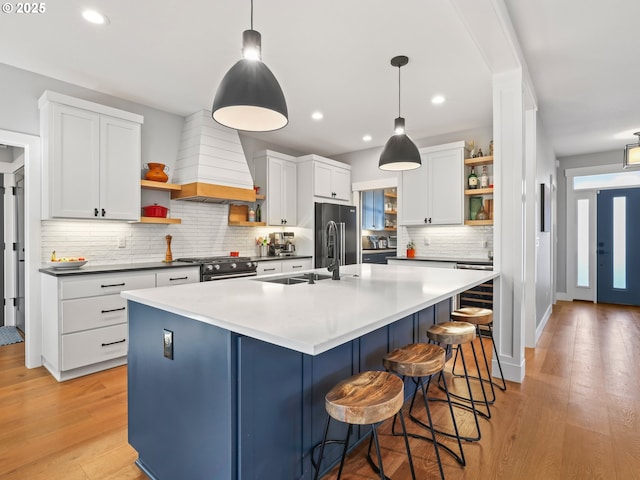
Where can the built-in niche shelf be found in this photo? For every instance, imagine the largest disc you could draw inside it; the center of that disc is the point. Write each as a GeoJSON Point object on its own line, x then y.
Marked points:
{"type": "Point", "coordinates": [239, 214]}
{"type": "Point", "coordinates": [160, 187]}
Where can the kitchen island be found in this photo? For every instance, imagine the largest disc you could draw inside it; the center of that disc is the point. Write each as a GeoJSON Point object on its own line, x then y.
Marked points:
{"type": "Point", "coordinates": [242, 396]}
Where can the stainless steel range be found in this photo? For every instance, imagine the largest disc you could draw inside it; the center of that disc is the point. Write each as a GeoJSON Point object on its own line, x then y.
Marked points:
{"type": "Point", "coordinates": [221, 268]}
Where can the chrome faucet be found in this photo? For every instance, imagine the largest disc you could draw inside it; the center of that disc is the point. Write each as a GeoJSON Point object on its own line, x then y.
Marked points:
{"type": "Point", "coordinates": [333, 250]}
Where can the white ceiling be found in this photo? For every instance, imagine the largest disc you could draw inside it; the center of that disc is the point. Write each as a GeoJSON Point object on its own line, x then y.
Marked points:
{"type": "Point", "coordinates": [333, 56]}
{"type": "Point", "coordinates": [583, 60]}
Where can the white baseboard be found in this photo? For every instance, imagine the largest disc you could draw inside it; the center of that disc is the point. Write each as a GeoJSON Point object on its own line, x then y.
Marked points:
{"type": "Point", "coordinates": [511, 371]}
{"type": "Point", "coordinates": [563, 296]}
{"type": "Point", "coordinates": [543, 323]}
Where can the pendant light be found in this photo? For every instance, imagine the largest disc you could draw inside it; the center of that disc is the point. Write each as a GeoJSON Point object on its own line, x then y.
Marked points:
{"type": "Point", "coordinates": [399, 153]}
{"type": "Point", "coordinates": [632, 154]}
{"type": "Point", "coordinates": [249, 96]}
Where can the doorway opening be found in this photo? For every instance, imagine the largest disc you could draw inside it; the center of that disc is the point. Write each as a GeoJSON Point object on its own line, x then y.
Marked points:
{"type": "Point", "coordinates": [601, 204]}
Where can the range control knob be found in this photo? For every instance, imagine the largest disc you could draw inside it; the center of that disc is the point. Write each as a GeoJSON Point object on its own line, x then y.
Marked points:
{"type": "Point", "coordinates": [216, 267]}
{"type": "Point", "coordinates": [208, 268]}
{"type": "Point", "coordinates": [233, 266]}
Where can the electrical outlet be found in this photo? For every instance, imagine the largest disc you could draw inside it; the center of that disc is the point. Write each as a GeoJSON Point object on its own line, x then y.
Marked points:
{"type": "Point", "coordinates": [483, 243]}
{"type": "Point", "coordinates": [427, 241]}
{"type": "Point", "coordinates": [122, 242]}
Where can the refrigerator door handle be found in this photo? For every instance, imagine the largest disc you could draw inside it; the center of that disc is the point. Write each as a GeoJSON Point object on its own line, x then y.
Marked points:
{"type": "Point", "coordinates": [342, 243]}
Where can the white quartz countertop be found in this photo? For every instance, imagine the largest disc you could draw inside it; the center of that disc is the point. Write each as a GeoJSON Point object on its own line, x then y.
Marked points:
{"type": "Point", "coordinates": [314, 318]}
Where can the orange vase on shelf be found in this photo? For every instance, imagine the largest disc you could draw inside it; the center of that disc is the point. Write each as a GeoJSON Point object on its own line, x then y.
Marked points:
{"type": "Point", "coordinates": [156, 172]}
{"type": "Point", "coordinates": [411, 253]}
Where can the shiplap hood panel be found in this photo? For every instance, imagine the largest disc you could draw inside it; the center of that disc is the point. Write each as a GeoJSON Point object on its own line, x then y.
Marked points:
{"type": "Point", "coordinates": [211, 162]}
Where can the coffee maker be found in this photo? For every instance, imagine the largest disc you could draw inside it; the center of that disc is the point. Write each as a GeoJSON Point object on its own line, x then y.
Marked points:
{"type": "Point", "coordinates": [289, 243]}
{"type": "Point", "coordinates": [281, 244]}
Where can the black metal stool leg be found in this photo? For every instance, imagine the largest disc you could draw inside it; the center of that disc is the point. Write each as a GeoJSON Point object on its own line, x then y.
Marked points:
{"type": "Point", "coordinates": [484, 393]}
{"type": "Point", "coordinates": [502, 387]}
{"type": "Point", "coordinates": [324, 440]}
{"type": "Point", "coordinates": [344, 451]}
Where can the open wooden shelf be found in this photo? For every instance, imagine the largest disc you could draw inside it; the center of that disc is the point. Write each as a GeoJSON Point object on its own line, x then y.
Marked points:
{"type": "Point", "coordinates": [238, 217]}
{"type": "Point", "coordinates": [478, 222]}
{"type": "Point", "coordinates": [160, 220]}
{"type": "Point", "coordinates": [473, 162]}
{"type": "Point", "coordinates": [390, 195]}
{"type": "Point", "coordinates": [161, 186]}
{"type": "Point", "coordinates": [391, 212]}
{"type": "Point", "coordinates": [260, 196]}
{"type": "Point", "coordinates": [479, 191]}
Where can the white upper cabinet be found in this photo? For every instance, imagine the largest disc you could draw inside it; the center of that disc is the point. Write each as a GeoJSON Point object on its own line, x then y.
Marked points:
{"type": "Point", "coordinates": [433, 193]}
{"type": "Point", "coordinates": [92, 159]}
{"type": "Point", "coordinates": [277, 176]}
{"type": "Point", "coordinates": [331, 181]}
{"type": "Point", "coordinates": [325, 179]}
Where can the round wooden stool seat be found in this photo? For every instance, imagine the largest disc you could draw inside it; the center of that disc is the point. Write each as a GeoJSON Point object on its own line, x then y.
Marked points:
{"type": "Point", "coordinates": [366, 398]}
{"type": "Point", "coordinates": [475, 315]}
{"type": "Point", "coordinates": [415, 360]}
{"type": "Point", "coordinates": [452, 333]}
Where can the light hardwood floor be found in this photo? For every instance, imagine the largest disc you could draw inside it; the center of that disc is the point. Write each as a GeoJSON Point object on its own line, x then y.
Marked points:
{"type": "Point", "coordinates": [575, 416]}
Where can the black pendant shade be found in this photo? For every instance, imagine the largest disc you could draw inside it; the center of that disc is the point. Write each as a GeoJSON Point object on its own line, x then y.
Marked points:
{"type": "Point", "coordinates": [249, 97]}
{"type": "Point", "coordinates": [399, 153]}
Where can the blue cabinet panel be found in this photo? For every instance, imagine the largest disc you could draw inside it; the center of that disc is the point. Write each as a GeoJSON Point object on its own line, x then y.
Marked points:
{"type": "Point", "coordinates": [270, 406]}
{"type": "Point", "coordinates": [181, 411]}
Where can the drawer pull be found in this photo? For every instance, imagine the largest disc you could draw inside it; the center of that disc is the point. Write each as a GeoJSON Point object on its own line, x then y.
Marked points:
{"type": "Point", "coordinates": [296, 266]}
{"type": "Point", "coordinates": [178, 278]}
{"type": "Point", "coordinates": [113, 310]}
{"type": "Point", "coordinates": [113, 343]}
{"type": "Point", "coordinates": [113, 285]}
{"type": "Point", "coordinates": [269, 269]}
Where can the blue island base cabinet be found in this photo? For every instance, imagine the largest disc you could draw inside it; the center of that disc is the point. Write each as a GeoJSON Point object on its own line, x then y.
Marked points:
{"type": "Point", "coordinates": [232, 407]}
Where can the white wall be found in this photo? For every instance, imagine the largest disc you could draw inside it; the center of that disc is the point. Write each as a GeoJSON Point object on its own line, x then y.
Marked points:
{"type": "Point", "coordinates": [587, 160]}
{"type": "Point", "coordinates": [544, 277]}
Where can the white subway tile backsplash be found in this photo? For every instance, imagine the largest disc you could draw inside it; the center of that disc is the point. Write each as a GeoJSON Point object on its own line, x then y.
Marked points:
{"type": "Point", "coordinates": [203, 232]}
{"type": "Point", "coordinates": [447, 241]}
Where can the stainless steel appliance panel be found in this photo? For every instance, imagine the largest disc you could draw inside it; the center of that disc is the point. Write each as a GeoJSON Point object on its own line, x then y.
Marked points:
{"type": "Point", "coordinates": [347, 219]}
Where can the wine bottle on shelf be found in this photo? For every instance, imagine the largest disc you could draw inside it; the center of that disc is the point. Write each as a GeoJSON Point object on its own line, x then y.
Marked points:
{"type": "Point", "coordinates": [472, 180]}
{"type": "Point", "coordinates": [484, 178]}
{"type": "Point", "coordinates": [258, 213]}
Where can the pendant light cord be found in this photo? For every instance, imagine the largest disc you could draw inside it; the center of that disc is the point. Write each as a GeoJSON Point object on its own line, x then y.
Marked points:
{"type": "Point", "coordinates": [399, 87]}
{"type": "Point", "coordinates": [251, 14]}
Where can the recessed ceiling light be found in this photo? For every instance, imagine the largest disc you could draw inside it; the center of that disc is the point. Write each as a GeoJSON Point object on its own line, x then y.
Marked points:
{"type": "Point", "coordinates": [95, 17]}
{"type": "Point", "coordinates": [437, 99]}
{"type": "Point", "coordinates": [367, 138]}
{"type": "Point", "coordinates": [317, 115]}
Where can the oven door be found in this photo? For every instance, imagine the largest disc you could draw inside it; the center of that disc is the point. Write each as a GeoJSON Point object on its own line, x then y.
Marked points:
{"type": "Point", "coordinates": [226, 276]}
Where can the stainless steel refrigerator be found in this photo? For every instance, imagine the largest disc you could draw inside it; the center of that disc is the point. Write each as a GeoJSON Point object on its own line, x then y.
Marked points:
{"type": "Point", "coordinates": [346, 217]}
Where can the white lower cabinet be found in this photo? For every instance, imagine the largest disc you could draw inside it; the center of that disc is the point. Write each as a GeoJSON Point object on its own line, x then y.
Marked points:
{"type": "Point", "coordinates": [296, 265]}
{"type": "Point", "coordinates": [284, 266]}
{"type": "Point", "coordinates": [84, 318]}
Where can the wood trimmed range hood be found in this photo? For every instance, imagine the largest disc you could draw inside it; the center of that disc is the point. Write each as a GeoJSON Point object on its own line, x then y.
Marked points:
{"type": "Point", "coordinates": [211, 165]}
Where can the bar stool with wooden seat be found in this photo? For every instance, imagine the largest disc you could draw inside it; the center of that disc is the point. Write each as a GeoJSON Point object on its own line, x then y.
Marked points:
{"type": "Point", "coordinates": [419, 361]}
{"type": "Point", "coordinates": [460, 333]}
{"type": "Point", "coordinates": [367, 398]}
{"type": "Point", "coordinates": [482, 318]}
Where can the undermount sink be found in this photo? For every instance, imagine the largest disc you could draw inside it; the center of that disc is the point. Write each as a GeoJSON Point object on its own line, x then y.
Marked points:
{"type": "Point", "coordinates": [294, 280]}
{"type": "Point", "coordinates": [283, 281]}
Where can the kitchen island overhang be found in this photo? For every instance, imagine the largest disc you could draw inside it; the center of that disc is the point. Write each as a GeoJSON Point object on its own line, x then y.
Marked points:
{"type": "Point", "coordinates": [315, 318]}
{"type": "Point", "coordinates": [243, 396]}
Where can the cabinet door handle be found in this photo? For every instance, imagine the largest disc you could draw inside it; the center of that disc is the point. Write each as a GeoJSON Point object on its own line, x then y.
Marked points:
{"type": "Point", "coordinates": [269, 269]}
{"type": "Point", "coordinates": [113, 285]}
{"type": "Point", "coordinates": [103, 212]}
{"type": "Point", "coordinates": [425, 220]}
{"type": "Point", "coordinates": [178, 278]}
{"type": "Point", "coordinates": [113, 310]}
{"type": "Point", "coordinates": [296, 266]}
{"type": "Point", "coordinates": [95, 212]}
{"type": "Point", "coordinates": [113, 343]}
